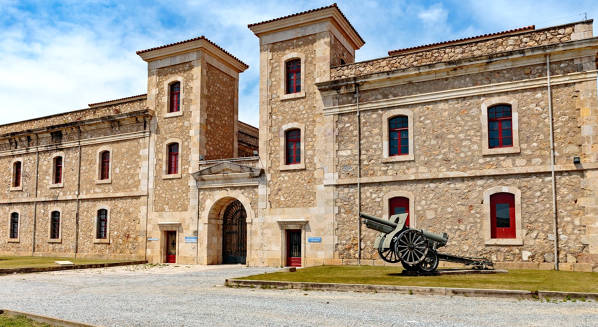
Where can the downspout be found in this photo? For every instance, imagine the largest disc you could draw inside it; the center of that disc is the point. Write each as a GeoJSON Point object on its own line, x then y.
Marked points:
{"type": "Point", "coordinates": [147, 126]}
{"type": "Point", "coordinates": [36, 191]}
{"type": "Point", "coordinates": [554, 206]}
{"type": "Point", "coordinates": [78, 196]}
{"type": "Point", "coordinates": [358, 174]}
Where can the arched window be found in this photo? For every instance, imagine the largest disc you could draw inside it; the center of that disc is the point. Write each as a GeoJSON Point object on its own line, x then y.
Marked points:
{"type": "Point", "coordinates": [293, 76]}
{"type": "Point", "coordinates": [502, 215]}
{"type": "Point", "coordinates": [14, 225]}
{"type": "Point", "coordinates": [16, 174]}
{"type": "Point", "coordinates": [55, 225]}
{"type": "Point", "coordinates": [57, 178]}
{"type": "Point", "coordinates": [104, 165]}
{"type": "Point", "coordinates": [175, 97]}
{"type": "Point", "coordinates": [398, 205]}
{"type": "Point", "coordinates": [173, 158]}
{"type": "Point", "coordinates": [102, 224]}
{"type": "Point", "coordinates": [500, 127]}
{"type": "Point", "coordinates": [293, 146]}
{"type": "Point", "coordinates": [398, 136]}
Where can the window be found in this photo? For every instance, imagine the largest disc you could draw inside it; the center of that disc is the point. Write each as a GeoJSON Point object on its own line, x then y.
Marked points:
{"type": "Point", "coordinates": [16, 174]}
{"type": "Point", "coordinates": [398, 136]}
{"type": "Point", "coordinates": [14, 225]}
{"type": "Point", "coordinates": [55, 225]}
{"type": "Point", "coordinates": [105, 165]}
{"type": "Point", "coordinates": [57, 178]}
{"type": "Point", "coordinates": [102, 224]}
{"type": "Point", "coordinates": [399, 205]}
{"type": "Point", "coordinates": [293, 76]}
{"type": "Point", "coordinates": [293, 146]}
{"type": "Point", "coordinates": [502, 215]}
{"type": "Point", "coordinates": [175, 97]}
{"type": "Point", "coordinates": [500, 130]}
{"type": "Point", "coordinates": [173, 158]}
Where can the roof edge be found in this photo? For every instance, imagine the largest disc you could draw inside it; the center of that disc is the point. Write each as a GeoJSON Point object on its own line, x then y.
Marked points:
{"type": "Point", "coordinates": [119, 101]}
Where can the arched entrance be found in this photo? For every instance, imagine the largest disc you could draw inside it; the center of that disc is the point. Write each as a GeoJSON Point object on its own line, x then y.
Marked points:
{"type": "Point", "coordinates": [234, 233]}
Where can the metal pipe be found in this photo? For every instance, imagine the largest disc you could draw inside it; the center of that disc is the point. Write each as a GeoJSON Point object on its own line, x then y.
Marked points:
{"type": "Point", "coordinates": [36, 191]}
{"type": "Point", "coordinates": [554, 205]}
{"type": "Point", "coordinates": [358, 174]}
{"type": "Point", "coordinates": [147, 126]}
{"type": "Point", "coordinates": [78, 195]}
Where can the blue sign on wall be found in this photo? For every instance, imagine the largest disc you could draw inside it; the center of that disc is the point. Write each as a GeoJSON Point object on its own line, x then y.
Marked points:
{"type": "Point", "coordinates": [190, 239]}
{"type": "Point", "coordinates": [152, 239]}
{"type": "Point", "coordinates": [314, 240]}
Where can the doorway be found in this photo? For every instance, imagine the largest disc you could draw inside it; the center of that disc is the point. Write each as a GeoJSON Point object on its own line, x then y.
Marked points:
{"type": "Point", "coordinates": [294, 247]}
{"type": "Point", "coordinates": [170, 247]}
{"type": "Point", "coordinates": [234, 234]}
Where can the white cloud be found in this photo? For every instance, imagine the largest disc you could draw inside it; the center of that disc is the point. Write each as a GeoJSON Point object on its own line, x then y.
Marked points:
{"type": "Point", "coordinates": [433, 15]}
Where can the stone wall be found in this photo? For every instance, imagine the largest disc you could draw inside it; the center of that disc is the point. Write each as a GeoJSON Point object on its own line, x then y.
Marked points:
{"type": "Point", "coordinates": [220, 111]}
{"type": "Point", "coordinates": [338, 52]}
{"type": "Point", "coordinates": [499, 44]}
{"type": "Point", "coordinates": [248, 140]}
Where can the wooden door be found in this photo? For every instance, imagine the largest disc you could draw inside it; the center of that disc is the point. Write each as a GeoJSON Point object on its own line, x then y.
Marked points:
{"type": "Point", "coordinates": [170, 247]}
{"type": "Point", "coordinates": [294, 247]}
{"type": "Point", "coordinates": [234, 234]}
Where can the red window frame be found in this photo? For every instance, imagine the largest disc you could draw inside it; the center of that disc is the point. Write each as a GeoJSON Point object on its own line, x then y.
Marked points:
{"type": "Point", "coordinates": [14, 225]}
{"type": "Point", "coordinates": [16, 178]}
{"type": "Point", "coordinates": [173, 158]}
{"type": "Point", "coordinates": [500, 126]}
{"type": "Point", "coordinates": [293, 146]}
{"type": "Point", "coordinates": [57, 170]}
{"type": "Point", "coordinates": [398, 136]}
{"type": "Point", "coordinates": [175, 97]}
{"type": "Point", "coordinates": [102, 224]}
{"type": "Point", "coordinates": [500, 226]}
{"type": "Point", "coordinates": [398, 205]}
{"type": "Point", "coordinates": [55, 225]}
{"type": "Point", "coordinates": [105, 165]}
{"type": "Point", "coordinates": [293, 76]}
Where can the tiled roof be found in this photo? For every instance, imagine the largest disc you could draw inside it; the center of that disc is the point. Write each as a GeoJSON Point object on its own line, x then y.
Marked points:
{"type": "Point", "coordinates": [307, 12]}
{"type": "Point", "coordinates": [473, 38]}
{"type": "Point", "coordinates": [191, 40]}
{"type": "Point", "coordinates": [121, 99]}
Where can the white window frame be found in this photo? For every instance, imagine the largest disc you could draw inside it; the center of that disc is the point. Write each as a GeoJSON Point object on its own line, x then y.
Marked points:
{"type": "Point", "coordinates": [385, 134]}
{"type": "Point", "coordinates": [12, 175]}
{"type": "Point", "coordinates": [283, 81]}
{"type": "Point", "coordinates": [283, 130]}
{"type": "Point", "coordinates": [17, 239]}
{"type": "Point", "coordinates": [165, 174]}
{"type": "Point", "coordinates": [166, 98]}
{"type": "Point", "coordinates": [488, 240]}
{"type": "Point", "coordinates": [95, 228]}
{"type": "Point", "coordinates": [404, 194]}
{"type": "Point", "coordinates": [61, 184]}
{"type": "Point", "coordinates": [59, 239]}
{"type": "Point", "coordinates": [99, 165]}
{"type": "Point", "coordinates": [507, 100]}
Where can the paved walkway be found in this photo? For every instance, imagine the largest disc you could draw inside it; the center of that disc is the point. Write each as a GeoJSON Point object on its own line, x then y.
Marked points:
{"type": "Point", "coordinates": [193, 296]}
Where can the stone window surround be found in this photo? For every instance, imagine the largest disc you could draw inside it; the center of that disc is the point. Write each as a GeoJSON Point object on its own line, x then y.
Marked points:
{"type": "Point", "coordinates": [99, 165]}
{"type": "Point", "coordinates": [404, 194]}
{"type": "Point", "coordinates": [165, 174]}
{"type": "Point", "coordinates": [385, 135]}
{"type": "Point", "coordinates": [54, 156]}
{"type": "Point", "coordinates": [292, 224]}
{"type": "Point", "coordinates": [50, 239]}
{"type": "Point", "coordinates": [488, 240]}
{"type": "Point", "coordinates": [486, 150]}
{"type": "Point", "coordinates": [166, 99]}
{"type": "Point", "coordinates": [9, 239]}
{"type": "Point", "coordinates": [12, 165]}
{"type": "Point", "coordinates": [283, 76]}
{"type": "Point", "coordinates": [95, 226]}
{"type": "Point", "coordinates": [283, 130]}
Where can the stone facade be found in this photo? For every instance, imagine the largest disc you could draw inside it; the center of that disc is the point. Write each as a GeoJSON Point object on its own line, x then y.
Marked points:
{"type": "Point", "coordinates": [342, 111]}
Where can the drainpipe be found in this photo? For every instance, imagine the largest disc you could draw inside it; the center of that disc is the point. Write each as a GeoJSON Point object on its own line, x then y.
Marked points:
{"type": "Point", "coordinates": [554, 206]}
{"type": "Point", "coordinates": [358, 174]}
{"type": "Point", "coordinates": [36, 188]}
{"type": "Point", "coordinates": [147, 125]}
{"type": "Point", "coordinates": [78, 195]}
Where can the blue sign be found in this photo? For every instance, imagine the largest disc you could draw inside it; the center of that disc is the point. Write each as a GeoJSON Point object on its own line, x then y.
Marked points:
{"type": "Point", "coordinates": [190, 239]}
{"type": "Point", "coordinates": [314, 240]}
{"type": "Point", "coordinates": [152, 239]}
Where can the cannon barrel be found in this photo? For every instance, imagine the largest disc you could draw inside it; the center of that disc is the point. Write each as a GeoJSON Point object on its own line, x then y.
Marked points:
{"type": "Point", "coordinates": [378, 220]}
{"type": "Point", "coordinates": [380, 225]}
{"type": "Point", "coordinates": [441, 239]}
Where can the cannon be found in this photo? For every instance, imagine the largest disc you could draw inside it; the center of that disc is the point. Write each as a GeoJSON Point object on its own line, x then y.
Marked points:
{"type": "Point", "coordinates": [415, 249]}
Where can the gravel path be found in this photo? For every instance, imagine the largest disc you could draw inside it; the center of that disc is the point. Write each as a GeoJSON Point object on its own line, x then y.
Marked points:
{"type": "Point", "coordinates": [193, 296]}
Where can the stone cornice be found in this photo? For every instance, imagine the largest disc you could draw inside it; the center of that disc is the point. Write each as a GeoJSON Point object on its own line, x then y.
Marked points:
{"type": "Point", "coordinates": [74, 197]}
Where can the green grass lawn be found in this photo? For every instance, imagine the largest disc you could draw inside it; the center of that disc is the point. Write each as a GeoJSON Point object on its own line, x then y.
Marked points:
{"type": "Point", "coordinates": [531, 280]}
{"type": "Point", "coordinates": [19, 321]}
{"type": "Point", "coordinates": [38, 262]}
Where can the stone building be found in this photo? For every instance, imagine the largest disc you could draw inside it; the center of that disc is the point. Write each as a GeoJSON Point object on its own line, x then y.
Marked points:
{"type": "Point", "coordinates": [492, 139]}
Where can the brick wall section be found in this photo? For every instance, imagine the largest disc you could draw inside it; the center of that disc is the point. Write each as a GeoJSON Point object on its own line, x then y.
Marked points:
{"type": "Point", "coordinates": [247, 138]}
{"type": "Point", "coordinates": [220, 122]}
{"type": "Point", "coordinates": [541, 37]}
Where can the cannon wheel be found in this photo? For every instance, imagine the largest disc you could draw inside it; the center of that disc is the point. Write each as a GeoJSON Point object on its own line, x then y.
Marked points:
{"type": "Point", "coordinates": [389, 255]}
{"type": "Point", "coordinates": [409, 267]}
{"type": "Point", "coordinates": [430, 263]}
{"type": "Point", "coordinates": [411, 247]}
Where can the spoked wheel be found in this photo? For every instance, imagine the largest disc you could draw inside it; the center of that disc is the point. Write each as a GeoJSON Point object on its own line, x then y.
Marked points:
{"type": "Point", "coordinates": [389, 255]}
{"type": "Point", "coordinates": [430, 263]}
{"type": "Point", "coordinates": [412, 247]}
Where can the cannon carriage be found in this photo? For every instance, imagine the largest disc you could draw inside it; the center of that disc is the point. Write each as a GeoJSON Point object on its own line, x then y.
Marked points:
{"type": "Point", "coordinates": [416, 250]}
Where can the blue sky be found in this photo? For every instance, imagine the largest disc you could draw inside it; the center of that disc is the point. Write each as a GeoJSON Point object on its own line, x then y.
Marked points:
{"type": "Point", "coordinates": [58, 56]}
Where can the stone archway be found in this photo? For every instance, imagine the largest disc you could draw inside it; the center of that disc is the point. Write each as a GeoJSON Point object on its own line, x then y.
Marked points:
{"type": "Point", "coordinates": [227, 232]}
